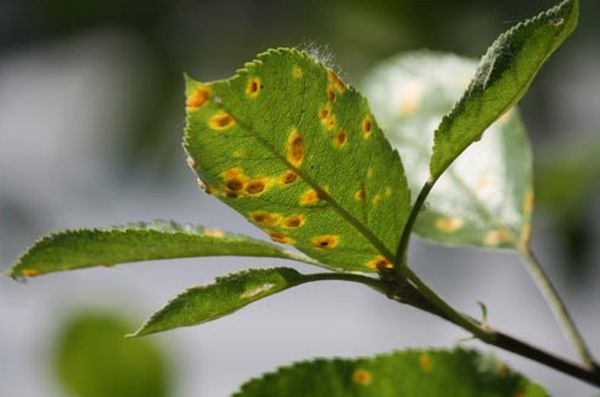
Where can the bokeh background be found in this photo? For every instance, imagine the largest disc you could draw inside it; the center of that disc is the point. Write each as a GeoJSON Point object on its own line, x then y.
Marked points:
{"type": "Point", "coordinates": [91, 116]}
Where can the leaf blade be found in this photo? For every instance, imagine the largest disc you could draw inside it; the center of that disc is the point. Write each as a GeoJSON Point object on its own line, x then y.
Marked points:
{"type": "Point", "coordinates": [484, 198]}
{"type": "Point", "coordinates": [286, 114]}
{"type": "Point", "coordinates": [503, 76]}
{"type": "Point", "coordinates": [407, 373]}
{"type": "Point", "coordinates": [226, 295]}
{"type": "Point", "coordinates": [75, 249]}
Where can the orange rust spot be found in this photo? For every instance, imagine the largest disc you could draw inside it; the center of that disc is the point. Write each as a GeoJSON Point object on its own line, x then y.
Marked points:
{"type": "Point", "coordinates": [496, 237]}
{"type": "Point", "coordinates": [293, 221]}
{"type": "Point", "coordinates": [340, 138]}
{"type": "Point", "coordinates": [265, 218]}
{"type": "Point", "coordinates": [310, 197]}
{"type": "Point", "coordinates": [361, 377]}
{"type": "Point", "coordinates": [253, 87]}
{"type": "Point", "coordinates": [232, 173]}
{"type": "Point", "coordinates": [449, 224]}
{"type": "Point", "coordinates": [379, 262]}
{"type": "Point", "coordinates": [221, 121]}
{"type": "Point", "coordinates": [198, 98]}
{"type": "Point", "coordinates": [287, 178]}
{"type": "Point", "coordinates": [337, 83]}
{"type": "Point", "coordinates": [295, 148]}
{"type": "Point", "coordinates": [330, 122]}
{"type": "Point", "coordinates": [279, 237]}
{"type": "Point", "coordinates": [367, 126]}
{"type": "Point", "coordinates": [324, 115]}
{"type": "Point", "coordinates": [330, 94]}
{"type": "Point", "coordinates": [216, 233]}
{"type": "Point", "coordinates": [30, 272]}
{"type": "Point", "coordinates": [297, 72]}
{"type": "Point", "coordinates": [425, 362]}
{"type": "Point", "coordinates": [360, 194]}
{"type": "Point", "coordinates": [256, 186]}
{"type": "Point", "coordinates": [326, 242]}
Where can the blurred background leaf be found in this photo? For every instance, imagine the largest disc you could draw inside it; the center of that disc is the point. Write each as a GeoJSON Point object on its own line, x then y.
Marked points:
{"type": "Point", "coordinates": [94, 359]}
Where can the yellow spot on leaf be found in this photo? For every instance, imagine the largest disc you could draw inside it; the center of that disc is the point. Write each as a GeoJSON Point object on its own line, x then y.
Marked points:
{"type": "Point", "coordinates": [388, 191]}
{"type": "Point", "coordinates": [326, 242]}
{"type": "Point", "coordinates": [369, 172]}
{"type": "Point", "coordinates": [287, 178]}
{"type": "Point", "coordinates": [213, 233]}
{"type": "Point", "coordinates": [425, 362]}
{"type": "Point", "coordinates": [30, 272]}
{"type": "Point", "coordinates": [297, 72]}
{"type": "Point", "coordinates": [263, 218]}
{"type": "Point", "coordinates": [310, 197]}
{"type": "Point", "coordinates": [496, 237]}
{"type": "Point", "coordinates": [293, 221]}
{"type": "Point", "coordinates": [253, 87]}
{"type": "Point", "coordinates": [411, 101]}
{"type": "Point", "coordinates": [238, 153]}
{"type": "Point", "coordinates": [360, 194]}
{"type": "Point", "coordinates": [367, 126]}
{"type": "Point", "coordinates": [221, 121]}
{"type": "Point", "coordinates": [376, 198]}
{"type": "Point", "coordinates": [279, 237]}
{"type": "Point", "coordinates": [257, 291]}
{"type": "Point", "coordinates": [379, 262]}
{"type": "Point", "coordinates": [256, 186]}
{"type": "Point", "coordinates": [337, 83]}
{"type": "Point", "coordinates": [198, 98]}
{"type": "Point", "coordinates": [361, 377]}
{"type": "Point", "coordinates": [295, 148]}
{"type": "Point", "coordinates": [340, 138]}
{"type": "Point", "coordinates": [449, 224]}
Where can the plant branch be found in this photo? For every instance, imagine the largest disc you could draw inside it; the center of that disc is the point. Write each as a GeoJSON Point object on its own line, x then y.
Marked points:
{"type": "Point", "coordinates": [556, 304]}
{"type": "Point", "coordinates": [508, 342]}
{"type": "Point", "coordinates": [401, 252]}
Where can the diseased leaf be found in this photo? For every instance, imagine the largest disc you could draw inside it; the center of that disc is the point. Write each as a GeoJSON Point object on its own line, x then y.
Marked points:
{"type": "Point", "coordinates": [485, 197]}
{"type": "Point", "coordinates": [81, 248]}
{"type": "Point", "coordinates": [226, 295]}
{"type": "Point", "coordinates": [294, 149]}
{"type": "Point", "coordinates": [503, 76]}
{"type": "Point", "coordinates": [431, 373]}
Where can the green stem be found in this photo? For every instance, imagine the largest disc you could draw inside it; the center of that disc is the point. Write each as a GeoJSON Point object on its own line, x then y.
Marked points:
{"type": "Point", "coordinates": [554, 301]}
{"type": "Point", "coordinates": [401, 252]}
{"type": "Point", "coordinates": [448, 311]}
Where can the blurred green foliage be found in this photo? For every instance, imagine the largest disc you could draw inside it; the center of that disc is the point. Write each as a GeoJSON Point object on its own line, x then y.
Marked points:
{"type": "Point", "coordinates": [94, 359]}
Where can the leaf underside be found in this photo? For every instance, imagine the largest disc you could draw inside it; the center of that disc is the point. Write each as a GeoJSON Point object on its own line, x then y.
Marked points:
{"type": "Point", "coordinates": [485, 197]}
{"type": "Point", "coordinates": [431, 373]}
{"type": "Point", "coordinates": [226, 295]}
{"type": "Point", "coordinates": [82, 248]}
{"type": "Point", "coordinates": [503, 76]}
{"type": "Point", "coordinates": [294, 149]}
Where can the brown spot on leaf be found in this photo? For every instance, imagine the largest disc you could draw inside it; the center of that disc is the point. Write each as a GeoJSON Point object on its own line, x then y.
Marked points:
{"type": "Point", "coordinates": [295, 148]}
{"type": "Point", "coordinates": [253, 87]}
{"type": "Point", "coordinates": [287, 178]}
{"type": "Point", "coordinates": [263, 218]}
{"type": "Point", "coordinates": [379, 262]}
{"type": "Point", "coordinates": [337, 83]}
{"type": "Point", "coordinates": [279, 237]}
{"type": "Point", "coordinates": [367, 126]}
{"type": "Point", "coordinates": [361, 377]}
{"type": "Point", "coordinates": [198, 98]}
{"type": "Point", "coordinates": [360, 194]}
{"type": "Point", "coordinates": [293, 221]}
{"type": "Point", "coordinates": [256, 186]}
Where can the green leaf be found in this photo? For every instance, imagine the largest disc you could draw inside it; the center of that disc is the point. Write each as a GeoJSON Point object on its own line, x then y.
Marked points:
{"type": "Point", "coordinates": [81, 248]}
{"type": "Point", "coordinates": [429, 373]}
{"type": "Point", "coordinates": [503, 76]}
{"type": "Point", "coordinates": [226, 295]}
{"type": "Point", "coordinates": [485, 197]}
{"type": "Point", "coordinates": [92, 359]}
{"type": "Point", "coordinates": [290, 146]}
